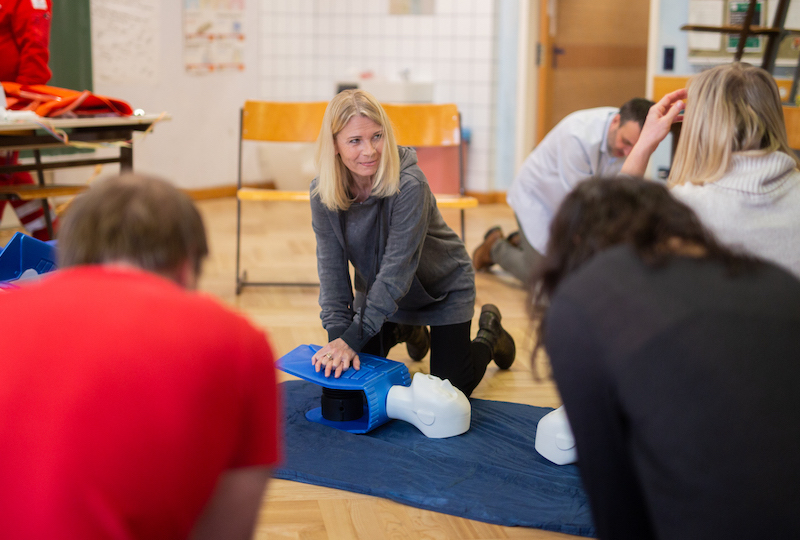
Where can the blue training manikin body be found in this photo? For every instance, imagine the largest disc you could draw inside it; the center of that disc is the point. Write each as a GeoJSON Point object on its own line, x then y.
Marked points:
{"type": "Point", "coordinates": [433, 405]}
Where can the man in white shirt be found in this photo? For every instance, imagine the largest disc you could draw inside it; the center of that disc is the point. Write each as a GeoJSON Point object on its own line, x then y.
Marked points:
{"type": "Point", "coordinates": [587, 143]}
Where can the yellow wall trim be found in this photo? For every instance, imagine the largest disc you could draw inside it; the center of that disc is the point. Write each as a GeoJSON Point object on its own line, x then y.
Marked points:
{"type": "Point", "coordinates": [218, 192]}
{"type": "Point", "coordinates": [663, 85]}
{"type": "Point", "coordinates": [492, 197]}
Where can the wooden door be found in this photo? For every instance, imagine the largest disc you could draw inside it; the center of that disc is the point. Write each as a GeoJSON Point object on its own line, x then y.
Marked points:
{"type": "Point", "coordinates": [592, 53]}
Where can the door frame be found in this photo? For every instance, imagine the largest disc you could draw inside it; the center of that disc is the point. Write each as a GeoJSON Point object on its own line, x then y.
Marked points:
{"type": "Point", "coordinates": [652, 47]}
{"type": "Point", "coordinates": [528, 79]}
{"type": "Point", "coordinates": [544, 68]}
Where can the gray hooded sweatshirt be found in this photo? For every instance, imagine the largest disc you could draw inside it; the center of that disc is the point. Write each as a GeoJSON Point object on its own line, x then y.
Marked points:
{"type": "Point", "coordinates": [416, 269]}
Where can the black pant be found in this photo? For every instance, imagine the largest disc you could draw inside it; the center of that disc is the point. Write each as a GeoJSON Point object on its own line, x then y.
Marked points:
{"type": "Point", "coordinates": [453, 355]}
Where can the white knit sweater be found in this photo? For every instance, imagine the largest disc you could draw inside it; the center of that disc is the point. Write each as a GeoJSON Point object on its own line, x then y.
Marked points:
{"type": "Point", "coordinates": [755, 206]}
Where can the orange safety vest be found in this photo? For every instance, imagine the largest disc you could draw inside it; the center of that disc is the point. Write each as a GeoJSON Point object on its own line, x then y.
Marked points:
{"type": "Point", "coordinates": [53, 101]}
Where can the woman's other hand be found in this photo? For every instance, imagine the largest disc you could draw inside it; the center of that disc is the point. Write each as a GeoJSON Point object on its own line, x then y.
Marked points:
{"type": "Point", "coordinates": [656, 127]}
{"type": "Point", "coordinates": [336, 357]}
{"type": "Point", "coordinates": [661, 117]}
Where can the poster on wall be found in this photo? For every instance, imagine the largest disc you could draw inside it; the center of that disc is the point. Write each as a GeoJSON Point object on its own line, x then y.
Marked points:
{"type": "Point", "coordinates": [736, 16]}
{"type": "Point", "coordinates": [125, 41]}
{"type": "Point", "coordinates": [213, 35]}
{"type": "Point", "coordinates": [705, 13]}
{"type": "Point", "coordinates": [412, 7]}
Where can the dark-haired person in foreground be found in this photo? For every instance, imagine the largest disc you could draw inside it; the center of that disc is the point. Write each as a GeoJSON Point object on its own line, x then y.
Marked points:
{"type": "Point", "coordinates": [587, 143]}
{"type": "Point", "coordinates": [677, 361]}
{"type": "Point", "coordinates": [147, 411]}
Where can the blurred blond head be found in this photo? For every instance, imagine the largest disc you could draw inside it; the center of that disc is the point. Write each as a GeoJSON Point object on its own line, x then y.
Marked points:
{"type": "Point", "coordinates": [730, 108]}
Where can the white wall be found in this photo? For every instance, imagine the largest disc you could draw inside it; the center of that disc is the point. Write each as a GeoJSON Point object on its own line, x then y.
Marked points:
{"type": "Point", "coordinates": [197, 148]}
{"type": "Point", "coordinates": [298, 50]}
{"type": "Point", "coordinates": [307, 46]}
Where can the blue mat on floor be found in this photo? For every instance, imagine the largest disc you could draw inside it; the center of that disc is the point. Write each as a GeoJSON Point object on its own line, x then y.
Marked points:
{"type": "Point", "coordinates": [491, 473]}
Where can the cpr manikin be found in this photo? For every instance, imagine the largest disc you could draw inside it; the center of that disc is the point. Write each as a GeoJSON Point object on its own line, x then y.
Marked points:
{"type": "Point", "coordinates": [554, 439]}
{"type": "Point", "coordinates": [361, 400]}
{"type": "Point", "coordinates": [436, 407]}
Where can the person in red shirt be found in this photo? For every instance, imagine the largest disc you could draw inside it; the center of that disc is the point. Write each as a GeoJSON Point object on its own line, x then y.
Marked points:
{"type": "Point", "coordinates": [148, 411]}
{"type": "Point", "coordinates": [24, 53]}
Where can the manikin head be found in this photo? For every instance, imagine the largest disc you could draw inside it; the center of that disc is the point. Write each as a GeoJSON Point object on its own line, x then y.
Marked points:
{"type": "Point", "coordinates": [434, 406]}
{"type": "Point", "coordinates": [554, 439]}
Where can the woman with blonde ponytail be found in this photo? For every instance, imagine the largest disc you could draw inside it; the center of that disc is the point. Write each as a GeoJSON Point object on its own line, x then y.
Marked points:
{"type": "Point", "coordinates": [733, 164]}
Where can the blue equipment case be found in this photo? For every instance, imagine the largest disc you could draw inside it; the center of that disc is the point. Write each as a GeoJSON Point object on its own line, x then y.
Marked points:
{"type": "Point", "coordinates": [376, 376]}
{"type": "Point", "coordinates": [23, 253]}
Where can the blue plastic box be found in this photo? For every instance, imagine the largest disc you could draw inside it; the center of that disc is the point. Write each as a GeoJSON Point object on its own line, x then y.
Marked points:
{"type": "Point", "coordinates": [24, 253]}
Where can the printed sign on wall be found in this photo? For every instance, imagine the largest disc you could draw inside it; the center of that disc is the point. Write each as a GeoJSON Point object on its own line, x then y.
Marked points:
{"type": "Point", "coordinates": [213, 35]}
{"type": "Point", "coordinates": [736, 16]}
{"type": "Point", "coordinates": [126, 48]}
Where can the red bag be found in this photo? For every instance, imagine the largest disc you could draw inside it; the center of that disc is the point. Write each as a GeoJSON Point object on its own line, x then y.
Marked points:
{"type": "Point", "coordinates": [53, 101]}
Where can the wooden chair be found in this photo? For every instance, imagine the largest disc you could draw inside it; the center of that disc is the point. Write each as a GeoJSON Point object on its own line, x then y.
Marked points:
{"type": "Point", "coordinates": [273, 121]}
{"type": "Point", "coordinates": [418, 125]}
{"type": "Point", "coordinates": [428, 126]}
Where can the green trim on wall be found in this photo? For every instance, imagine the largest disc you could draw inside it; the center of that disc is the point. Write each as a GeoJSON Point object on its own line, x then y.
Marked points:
{"type": "Point", "coordinates": [70, 55]}
{"type": "Point", "coordinates": [71, 45]}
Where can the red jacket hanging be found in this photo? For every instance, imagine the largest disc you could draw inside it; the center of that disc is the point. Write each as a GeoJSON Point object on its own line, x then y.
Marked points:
{"type": "Point", "coordinates": [25, 40]}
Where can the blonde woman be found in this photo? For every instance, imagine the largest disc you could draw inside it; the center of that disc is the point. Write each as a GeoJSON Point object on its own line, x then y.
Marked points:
{"type": "Point", "coordinates": [733, 164]}
{"type": "Point", "coordinates": [372, 208]}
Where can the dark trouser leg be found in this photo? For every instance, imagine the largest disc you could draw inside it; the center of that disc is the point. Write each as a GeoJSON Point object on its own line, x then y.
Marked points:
{"type": "Point", "coordinates": [456, 358]}
{"type": "Point", "coordinates": [416, 338]}
{"type": "Point", "coordinates": [382, 342]}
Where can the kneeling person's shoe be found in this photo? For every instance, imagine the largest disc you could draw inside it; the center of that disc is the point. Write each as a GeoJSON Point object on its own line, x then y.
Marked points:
{"type": "Point", "coordinates": [482, 256]}
{"type": "Point", "coordinates": [492, 334]}
{"type": "Point", "coordinates": [416, 338]}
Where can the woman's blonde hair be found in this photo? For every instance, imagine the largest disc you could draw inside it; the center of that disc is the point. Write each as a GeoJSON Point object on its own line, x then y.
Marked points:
{"type": "Point", "coordinates": [730, 108]}
{"type": "Point", "coordinates": [334, 177]}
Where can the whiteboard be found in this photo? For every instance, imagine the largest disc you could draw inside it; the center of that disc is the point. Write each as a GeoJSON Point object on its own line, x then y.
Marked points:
{"type": "Point", "coordinates": [126, 47]}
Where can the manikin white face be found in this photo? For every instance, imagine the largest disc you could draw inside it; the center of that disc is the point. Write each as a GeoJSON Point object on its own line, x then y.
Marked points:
{"type": "Point", "coordinates": [431, 390]}
{"type": "Point", "coordinates": [433, 405]}
{"type": "Point", "coordinates": [554, 438]}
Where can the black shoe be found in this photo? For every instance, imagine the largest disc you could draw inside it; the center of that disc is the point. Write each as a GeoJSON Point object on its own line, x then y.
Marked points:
{"type": "Point", "coordinates": [492, 334]}
{"type": "Point", "coordinates": [416, 338]}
